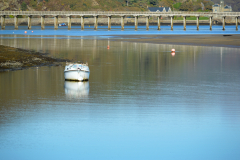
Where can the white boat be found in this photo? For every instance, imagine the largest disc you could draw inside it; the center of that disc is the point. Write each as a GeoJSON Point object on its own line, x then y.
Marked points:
{"type": "Point", "coordinates": [76, 72]}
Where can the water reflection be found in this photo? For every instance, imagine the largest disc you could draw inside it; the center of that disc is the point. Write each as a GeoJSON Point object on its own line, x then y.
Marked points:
{"type": "Point", "coordinates": [140, 97]}
{"type": "Point", "coordinates": [76, 89]}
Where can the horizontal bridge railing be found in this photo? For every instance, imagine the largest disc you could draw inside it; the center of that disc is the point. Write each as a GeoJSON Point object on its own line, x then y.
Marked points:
{"type": "Point", "coordinates": [117, 13]}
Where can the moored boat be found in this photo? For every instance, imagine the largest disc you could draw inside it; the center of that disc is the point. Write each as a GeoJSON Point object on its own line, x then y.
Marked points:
{"type": "Point", "coordinates": [62, 24]}
{"type": "Point", "coordinates": [76, 72]}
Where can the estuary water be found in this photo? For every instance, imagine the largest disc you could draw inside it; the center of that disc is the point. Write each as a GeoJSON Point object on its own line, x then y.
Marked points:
{"type": "Point", "coordinates": [140, 102]}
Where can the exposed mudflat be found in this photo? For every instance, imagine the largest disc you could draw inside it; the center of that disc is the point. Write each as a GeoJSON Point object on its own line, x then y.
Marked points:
{"type": "Point", "coordinates": [17, 59]}
{"type": "Point", "coordinates": [224, 40]}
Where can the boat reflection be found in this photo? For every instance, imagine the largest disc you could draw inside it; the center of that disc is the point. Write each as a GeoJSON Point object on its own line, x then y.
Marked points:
{"type": "Point", "coordinates": [76, 89]}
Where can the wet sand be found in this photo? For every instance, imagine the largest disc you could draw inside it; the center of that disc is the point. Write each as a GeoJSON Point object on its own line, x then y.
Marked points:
{"type": "Point", "coordinates": [17, 59]}
{"type": "Point", "coordinates": [195, 40]}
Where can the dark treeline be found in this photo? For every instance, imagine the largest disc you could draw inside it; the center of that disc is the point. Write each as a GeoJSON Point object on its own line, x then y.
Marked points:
{"type": "Point", "coordinates": [116, 5]}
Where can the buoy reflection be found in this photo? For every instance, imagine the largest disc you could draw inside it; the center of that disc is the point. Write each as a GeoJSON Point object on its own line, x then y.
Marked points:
{"type": "Point", "coordinates": [76, 89]}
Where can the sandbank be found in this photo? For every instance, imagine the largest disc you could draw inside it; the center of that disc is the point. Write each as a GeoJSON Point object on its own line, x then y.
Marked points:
{"type": "Point", "coordinates": [224, 40]}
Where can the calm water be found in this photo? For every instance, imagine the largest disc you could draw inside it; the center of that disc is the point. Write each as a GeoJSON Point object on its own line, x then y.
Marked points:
{"type": "Point", "coordinates": [116, 30]}
{"type": "Point", "coordinates": [140, 102]}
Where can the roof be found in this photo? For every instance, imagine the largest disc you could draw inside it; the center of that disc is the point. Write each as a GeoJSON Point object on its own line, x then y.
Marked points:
{"type": "Point", "coordinates": [156, 9]}
{"type": "Point", "coordinates": [226, 7]}
{"type": "Point", "coordinates": [167, 9]}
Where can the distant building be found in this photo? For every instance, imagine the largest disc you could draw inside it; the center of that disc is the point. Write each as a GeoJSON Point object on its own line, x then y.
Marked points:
{"type": "Point", "coordinates": [221, 7]}
{"type": "Point", "coordinates": [159, 9]}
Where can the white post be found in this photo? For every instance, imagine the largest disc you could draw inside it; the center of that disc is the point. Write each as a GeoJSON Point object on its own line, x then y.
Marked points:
{"type": "Point", "coordinates": [171, 22]}
{"type": "Point", "coordinates": [158, 19]}
{"type": "Point", "coordinates": [56, 22]}
{"type": "Point", "coordinates": [3, 21]}
{"type": "Point", "coordinates": [109, 23]}
{"type": "Point", "coordinates": [82, 22]}
{"type": "Point", "coordinates": [223, 23]}
{"type": "Point", "coordinates": [29, 22]}
{"type": "Point", "coordinates": [184, 23]}
{"type": "Point", "coordinates": [236, 23]}
{"type": "Point", "coordinates": [16, 22]}
{"type": "Point", "coordinates": [95, 22]}
{"type": "Point", "coordinates": [147, 23]}
{"type": "Point", "coordinates": [136, 23]}
{"type": "Point", "coordinates": [69, 22]}
{"type": "Point", "coordinates": [42, 22]}
{"type": "Point", "coordinates": [197, 22]}
{"type": "Point", "coordinates": [122, 23]}
{"type": "Point", "coordinates": [210, 22]}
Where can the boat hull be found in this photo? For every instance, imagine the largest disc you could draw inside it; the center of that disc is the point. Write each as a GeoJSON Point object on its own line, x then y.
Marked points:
{"type": "Point", "coordinates": [76, 75]}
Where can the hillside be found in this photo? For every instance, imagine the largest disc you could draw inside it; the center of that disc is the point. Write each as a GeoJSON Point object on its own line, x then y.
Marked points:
{"type": "Point", "coordinates": [234, 3]}
{"type": "Point", "coordinates": [111, 5]}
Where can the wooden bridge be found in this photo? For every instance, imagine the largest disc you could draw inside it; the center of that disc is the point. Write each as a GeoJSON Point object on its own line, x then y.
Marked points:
{"type": "Point", "coordinates": [121, 14]}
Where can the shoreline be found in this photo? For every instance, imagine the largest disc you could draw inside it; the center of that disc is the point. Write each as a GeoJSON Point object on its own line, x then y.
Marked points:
{"type": "Point", "coordinates": [215, 40]}
{"type": "Point", "coordinates": [12, 59]}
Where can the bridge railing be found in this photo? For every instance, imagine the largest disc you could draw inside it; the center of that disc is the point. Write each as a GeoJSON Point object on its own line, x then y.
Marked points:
{"type": "Point", "coordinates": [118, 13]}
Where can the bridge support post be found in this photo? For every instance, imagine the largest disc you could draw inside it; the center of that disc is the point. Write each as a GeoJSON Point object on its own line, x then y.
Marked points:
{"type": "Point", "coordinates": [171, 22]}
{"type": "Point", "coordinates": [109, 23]}
{"type": "Point", "coordinates": [29, 22]}
{"type": "Point", "coordinates": [95, 22]}
{"type": "Point", "coordinates": [158, 22]}
{"type": "Point", "coordinates": [236, 18]}
{"type": "Point", "coordinates": [136, 23]}
{"type": "Point", "coordinates": [56, 22]}
{"type": "Point", "coordinates": [210, 22]}
{"type": "Point", "coordinates": [3, 22]}
{"type": "Point", "coordinates": [122, 23]}
{"type": "Point", "coordinates": [42, 22]}
{"type": "Point", "coordinates": [223, 23]}
{"type": "Point", "coordinates": [16, 22]}
{"type": "Point", "coordinates": [184, 23]}
{"type": "Point", "coordinates": [197, 22]}
{"type": "Point", "coordinates": [147, 23]}
{"type": "Point", "coordinates": [82, 22]}
{"type": "Point", "coordinates": [69, 22]}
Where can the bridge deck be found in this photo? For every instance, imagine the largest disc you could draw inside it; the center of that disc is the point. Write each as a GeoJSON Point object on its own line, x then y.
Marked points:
{"type": "Point", "coordinates": [117, 13]}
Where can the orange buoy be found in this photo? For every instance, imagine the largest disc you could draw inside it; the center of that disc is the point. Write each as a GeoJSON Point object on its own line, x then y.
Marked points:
{"type": "Point", "coordinates": [25, 32]}
{"type": "Point", "coordinates": [173, 52]}
{"type": "Point", "coordinates": [32, 31]}
{"type": "Point", "coordinates": [108, 47]}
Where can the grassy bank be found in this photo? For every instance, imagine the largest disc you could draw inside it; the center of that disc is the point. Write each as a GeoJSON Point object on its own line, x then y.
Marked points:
{"type": "Point", "coordinates": [191, 18]}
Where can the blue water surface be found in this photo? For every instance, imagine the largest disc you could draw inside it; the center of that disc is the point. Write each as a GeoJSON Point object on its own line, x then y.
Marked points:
{"type": "Point", "coordinates": [141, 102]}
{"type": "Point", "coordinates": [116, 30]}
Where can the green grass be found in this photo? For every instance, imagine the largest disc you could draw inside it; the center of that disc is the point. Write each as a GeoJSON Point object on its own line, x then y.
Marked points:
{"type": "Point", "coordinates": [191, 18]}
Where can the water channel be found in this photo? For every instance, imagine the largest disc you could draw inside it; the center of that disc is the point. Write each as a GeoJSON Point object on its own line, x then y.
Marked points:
{"type": "Point", "coordinates": [139, 103]}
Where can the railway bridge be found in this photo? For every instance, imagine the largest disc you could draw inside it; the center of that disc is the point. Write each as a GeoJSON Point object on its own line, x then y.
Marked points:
{"type": "Point", "coordinates": [121, 14]}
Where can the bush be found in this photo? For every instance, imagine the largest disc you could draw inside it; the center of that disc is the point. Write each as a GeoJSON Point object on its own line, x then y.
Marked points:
{"type": "Point", "coordinates": [23, 6]}
{"type": "Point", "coordinates": [177, 5]}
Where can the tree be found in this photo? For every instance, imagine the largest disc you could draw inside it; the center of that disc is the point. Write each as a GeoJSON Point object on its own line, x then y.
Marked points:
{"type": "Point", "coordinates": [153, 2]}
{"type": "Point", "coordinates": [186, 6]}
{"type": "Point", "coordinates": [23, 6]}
